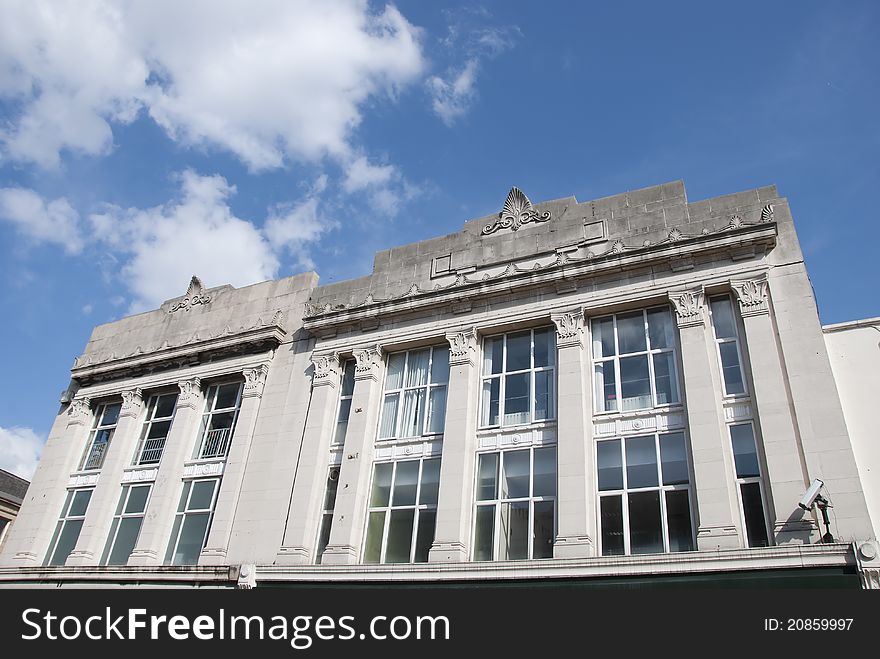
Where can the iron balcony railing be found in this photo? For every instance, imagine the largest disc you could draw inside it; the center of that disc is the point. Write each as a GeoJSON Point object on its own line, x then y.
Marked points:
{"type": "Point", "coordinates": [215, 444]}
{"type": "Point", "coordinates": [152, 451]}
{"type": "Point", "coordinates": [95, 458]}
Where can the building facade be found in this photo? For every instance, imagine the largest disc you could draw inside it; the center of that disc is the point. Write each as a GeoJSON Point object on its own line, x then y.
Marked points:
{"type": "Point", "coordinates": [12, 491]}
{"type": "Point", "coordinates": [634, 388]}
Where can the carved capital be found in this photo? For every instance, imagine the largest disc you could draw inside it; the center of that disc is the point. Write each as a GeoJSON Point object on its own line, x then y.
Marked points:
{"type": "Point", "coordinates": [462, 346]}
{"type": "Point", "coordinates": [326, 370]}
{"type": "Point", "coordinates": [190, 392]}
{"type": "Point", "coordinates": [752, 296]}
{"type": "Point", "coordinates": [254, 380]}
{"type": "Point", "coordinates": [688, 307]}
{"type": "Point", "coordinates": [132, 401]}
{"type": "Point", "coordinates": [569, 328]}
{"type": "Point", "coordinates": [79, 412]}
{"type": "Point", "coordinates": [367, 363]}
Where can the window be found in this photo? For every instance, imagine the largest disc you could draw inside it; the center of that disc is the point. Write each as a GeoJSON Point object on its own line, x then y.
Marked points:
{"type": "Point", "coordinates": [160, 412]}
{"type": "Point", "coordinates": [103, 427]}
{"type": "Point", "coordinates": [516, 505]}
{"type": "Point", "coordinates": [221, 410]}
{"type": "Point", "coordinates": [644, 495]}
{"type": "Point", "coordinates": [345, 395]}
{"type": "Point", "coordinates": [724, 326]}
{"type": "Point", "coordinates": [403, 510]}
{"type": "Point", "coordinates": [634, 360]}
{"type": "Point", "coordinates": [192, 522]}
{"type": "Point", "coordinates": [69, 525]}
{"type": "Point", "coordinates": [519, 378]}
{"type": "Point", "coordinates": [748, 484]}
{"type": "Point", "coordinates": [126, 524]}
{"type": "Point", "coordinates": [327, 512]}
{"type": "Point", "coordinates": [415, 393]}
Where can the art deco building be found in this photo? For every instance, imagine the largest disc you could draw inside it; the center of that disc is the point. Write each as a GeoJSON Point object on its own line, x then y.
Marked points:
{"type": "Point", "coordinates": [630, 389]}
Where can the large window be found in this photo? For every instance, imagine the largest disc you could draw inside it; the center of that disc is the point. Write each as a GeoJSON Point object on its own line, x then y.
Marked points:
{"type": "Point", "coordinates": [345, 396]}
{"type": "Point", "coordinates": [748, 483]}
{"type": "Point", "coordinates": [327, 512]}
{"type": "Point", "coordinates": [160, 413]}
{"type": "Point", "coordinates": [192, 521]}
{"type": "Point", "coordinates": [516, 505]}
{"type": "Point", "coordinates": [106, 417]}
{"type": "Point", "coordinates": [634, 360]}
{"type": "Point", "coordinates": [724, 327]}
{"type": "Point", "coordinates": [126, 524]}
{"type": "Point", "coordinates": [415, 393]}
{"type": "Point", "coordinates": [519, 378]}
{"type": "Point", "coordinates": [69, 525]}
{"type": "Point", "coordinates": [403, 511]}
{"type": "Point", "coordinates": [644, 495]}
{"type": "Point", "coordinates": [218, 422]}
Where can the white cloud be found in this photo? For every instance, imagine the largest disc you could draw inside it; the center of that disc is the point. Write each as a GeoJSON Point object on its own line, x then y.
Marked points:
{"type": "Point", "coordinates": [54, 222]}
{"type": "Point", "coordinates": [360, 174]}
{"type": "Point", "coordinates": [20, 450]}
{"type": "Point", "coordinates": [87, 309]}
{"type": "Point", "coordinates": [293, 226]}
{"type": "Point", "coordinates": [452, 98]}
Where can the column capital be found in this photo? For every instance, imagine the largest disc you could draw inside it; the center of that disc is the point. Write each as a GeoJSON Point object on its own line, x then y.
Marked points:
{"type": "Point", "coordinates": [462, 346]}
{"type": "Point", "coordinates": [80, 411]}
{"type": "Point", "coordinates": [367, 363]}
{"type": "Point", "coordinates": [326, 370]}
{"type": "Point", "coordinates": [132, 401]}
{"type": "Point", "coordinates": [254, 381]}
{"type": "Point", "coordinates": [569, 328]}
{"type": "Point", "coordinates": [190, 392]}
{"type": "Point", "coordinates": [752, 296]}
{"type": "Point", "coordinates": [688, 306]}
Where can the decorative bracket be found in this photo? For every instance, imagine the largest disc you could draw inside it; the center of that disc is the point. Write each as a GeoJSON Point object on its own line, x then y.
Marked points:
{"type": "Point", "coordinates": [79, 412]}
{"type": "Point", "coordinates": [752, 296]}
{"type": "Point", "coordinates": [688, 307]}
{"type": "Point", "coordinates": [254, 381]}
{"type": "Point", "coordinates": [367, 363]}
{"type": "Point", "coordinates": [190, 393]}
{"type": "Point", "coordinates": [326, 370]}
{"type": "Point", "coordinates": [569, 328]}
{"type": "Point", "coordinates": [462, 346]}
{"type": "Point", "coordinates": [517, 211]}
{"type": "Point", "coordinates": [132, 401]}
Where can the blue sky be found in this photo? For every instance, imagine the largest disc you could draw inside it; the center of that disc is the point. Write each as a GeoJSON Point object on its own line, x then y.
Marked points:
{"type": "Point", "coordinates": [142, 142]}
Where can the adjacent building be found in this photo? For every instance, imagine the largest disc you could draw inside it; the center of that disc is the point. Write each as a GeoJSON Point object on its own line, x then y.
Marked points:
{"type": "Point", "coordinates": [12, 491]}
{"type": "Point", "coordinates": [629, 389]}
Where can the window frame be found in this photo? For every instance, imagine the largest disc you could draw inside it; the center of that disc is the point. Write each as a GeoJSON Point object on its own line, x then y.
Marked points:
{"type": "Point", "coordinates": [209, 412]}
{"type": "Point", "coordinates": [401, 391]}
{"type": "Point", "coordinates": [749, 480]}
{"type": "Point", "coordinates": [96, 429]}
{"type": "Point", "coordinates": [343, 397]}
{"type": "Point", "coordinates": [120, 514]}
{"type": "Point", "coordinates": [149, 420]}
{"type": "Point", "coordinates": [63, 519]}
{"type": "Point", "coordinates": [183, 511]}
{"type": "Point", "coordinates": [736, 340]}
{"type": "Point", "coordinates": [327, 513]}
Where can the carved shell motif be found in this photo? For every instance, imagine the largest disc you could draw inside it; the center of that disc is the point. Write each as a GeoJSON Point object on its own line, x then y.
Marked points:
{"type": "Point", "coordinates": [517, 211]}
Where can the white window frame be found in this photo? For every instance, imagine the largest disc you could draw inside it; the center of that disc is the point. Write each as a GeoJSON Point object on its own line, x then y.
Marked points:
{"type": "Point", "coordinates": [224, 441]}
{"type": "Point", "coordinates": [401, 395]}
{"type": "Point", "coordinates": [740, 481]}
{"type": "Point", "coordinates": [327, 513]}
{"type": "Point", "coordinates": [64, 519]}
{"type": "Point", "coordinates": [151, 418]}
{"type": "Point", "coordinates": [737, 343]}
{"type": "Point", "coordinates": [184, 510]}
{"type": "Point", "coordinates": [121, 514]}
{"type": "Point", "coordinates": [92, 455]}
{"type": "Point", "coordinates": [343, 398]}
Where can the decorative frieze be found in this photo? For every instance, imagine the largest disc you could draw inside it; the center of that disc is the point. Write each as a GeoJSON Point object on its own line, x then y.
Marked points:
{"type": "Point", "coordinates": [79, 412]}
{"type": "Point", "coordinates": [132, 401]}
{"type": "Point", "coordinates": [367, 363]}
{"type": "Point", "coordinates": [688, 307]}
{"type": "Point", "coordinates": [190, 393]}
{"type": "Point", "coordinates": [462, 346]}
{"type": "Point", "coordinates": [254, 381]}
{"type": "Point", "coordinates": [737, 411]}
{"type": "Point", "coordinates": [202, 469]}
{"type": "Point", "coordinates": [83, 480]}
{"type": "Point", "coordinates": [517, 438]}
{"type": "Point", "coordinates": [409, 450]}
{"type": "Point", "coordinates": [752, 296]}
{"type": "Point", "coordinates": [569, 328]}
{"type": "Point", "coordinates": [140, 475]}
{"type": "Point", "coordinates": [326, 370]}
{"type": "Point", "coordinates": [644, 423]}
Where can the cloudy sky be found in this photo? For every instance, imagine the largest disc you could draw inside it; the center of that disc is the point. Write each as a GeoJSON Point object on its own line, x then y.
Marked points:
{"type": "Point", "coordinates": [144, 141]}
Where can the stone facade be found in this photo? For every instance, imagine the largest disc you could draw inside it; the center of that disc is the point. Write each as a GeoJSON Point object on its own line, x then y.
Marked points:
{"type": "Point", "coordinates": [632, 385]}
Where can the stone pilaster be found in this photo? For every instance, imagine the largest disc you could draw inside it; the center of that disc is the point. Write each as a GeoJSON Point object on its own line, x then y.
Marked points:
{"type": "Point", "coordinates": [716, 504]}
{"type": "Point", "coordinates": [456, 497]}
{"type": "Point", "coordinates": [346, 536]}
{"type": "Point", "coordinates": [576, 496]}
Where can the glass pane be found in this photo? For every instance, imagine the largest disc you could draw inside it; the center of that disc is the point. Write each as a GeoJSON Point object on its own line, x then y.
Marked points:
{"type": "Point", "coordinates": [641, 462]}
{"type": "Point", "coordinates": [545, 472]}
{"type": "Point", "coordinates": [515, 481]}
{"type": "Point", "coordinates": [406, 481]}
{"type": "Point", "coordinates": [665, 378]}
{"type": "Point", "coordinates": [424, 535]}
{"type": "Point", "coordinates": [514, 531]}
{"type": "Point", "coordinates": [745, 455]}
{"type": "Point", "coordinates": [733, 380]}
{"type": "Point", "coordinates": [67, 503]}
{"type": "Point", "coordinates": [121, 500]}
{"type": "Point", "coordinates": [440, 366]}
{"type": "Point", "coordinates": [192, 538]}
{"type": "Point", "coordinates": [341, 429]}
{"type": "Point", "coordinates": [159, 430]}
{"type": "Point", "coordinates": [344, 410]}
{"type": "Point", "coordinates": [348, 378]}
{"type": "Point", "coordinates": [400, 531]}
{"type": "Point", "coordinates": [110, 538]}
{"type": "Point", "coordinates": [111, 414]}
{"type": "Point", "coordinates": [678, 520]}
{"type": "Point", "coordinates": [80, 503]}
{"type": "Point", "coordinates": [516, 398]}
{"type": "Point", "coordinates": [165, 406]}
{"type": "Point", "coordinates": [437, 409]}
{"type": "Point", "coordinates": [58, 527]}
{"type": "Point", "coordinates": [492, 355]}
{"type": "Point", "coordinates": [137, 499]}
{"type": "Point", "coordinates": [129, 528]}
{"type": "Point", "coordinates": [66, 541]}
{"type": "Point", "coordinates": [645, 532]}
{"type": "Point", "coordinates": [519, 348]}
{"type": "Point", "coordinates": [324, 535]}
{"type": "Point", "coordinates": [487, 476]}
{"type": "Point", "coordinates": [181, 505]}
{"type": "Point", "coordinates": [631, 332]}
{"type": "Point", "coordinates": [413, 413]}
{"type": "Point", "coordinates": [381, 485]}
{"type": "Point", "coordinates": [610, 465]}
{"type": "Point", "coordinates": [375, 529]}
{"type": "Point", "coordinates": [221, 420]}
{"type": "Point", "coordinates": [169, 553]}
{"type": "Point", "coordinates": [606, 387]}
{"type": "Point", "coordinates": [394, 374]}
{"type": "Point", "coordinates": [417, 368]}
{"type": "Point", "coordinates": [545, 347]}
{"type": "Point", "coordinates": [543, 395]}
{"type": "Point", "coordinates": [722, 318]}
{"type": "Point", "coordinates": [202, 493]}
{"type": "Point", "coordinates": [603, 337]}
{"type": "Point", "coordinates": [543, 536]}
{"type": "Point", "coordinates": [635, 384]}
{"type": "Point", "coordinates": [484, 533]}
{"type": "Point", "coordinates": [330, 492]}
{"type": "Point", "coordinates": [430, 482]}
{"type": "Point", "coordinates": [612, 526]}
{"type": "Point", "coordinates": [673, 457]}
{"type": "Point", "coordinates": [389, 415]}
{"type": "Point", "coordinates": [660, 331]}
{"type": "Point", "coordinates": [227, 396]}
{"type": "Point", "coordinates": [753, 511]}
{"type": "Point", "coordinates": [491, 395]}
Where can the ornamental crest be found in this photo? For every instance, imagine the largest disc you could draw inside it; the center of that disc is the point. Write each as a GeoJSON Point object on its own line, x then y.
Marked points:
{"type": "Point", "coordinates": [517, 211]}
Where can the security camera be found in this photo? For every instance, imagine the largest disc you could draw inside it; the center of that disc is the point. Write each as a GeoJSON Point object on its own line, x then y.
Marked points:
{"type": "Point", "coordinates": [811, 495]}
